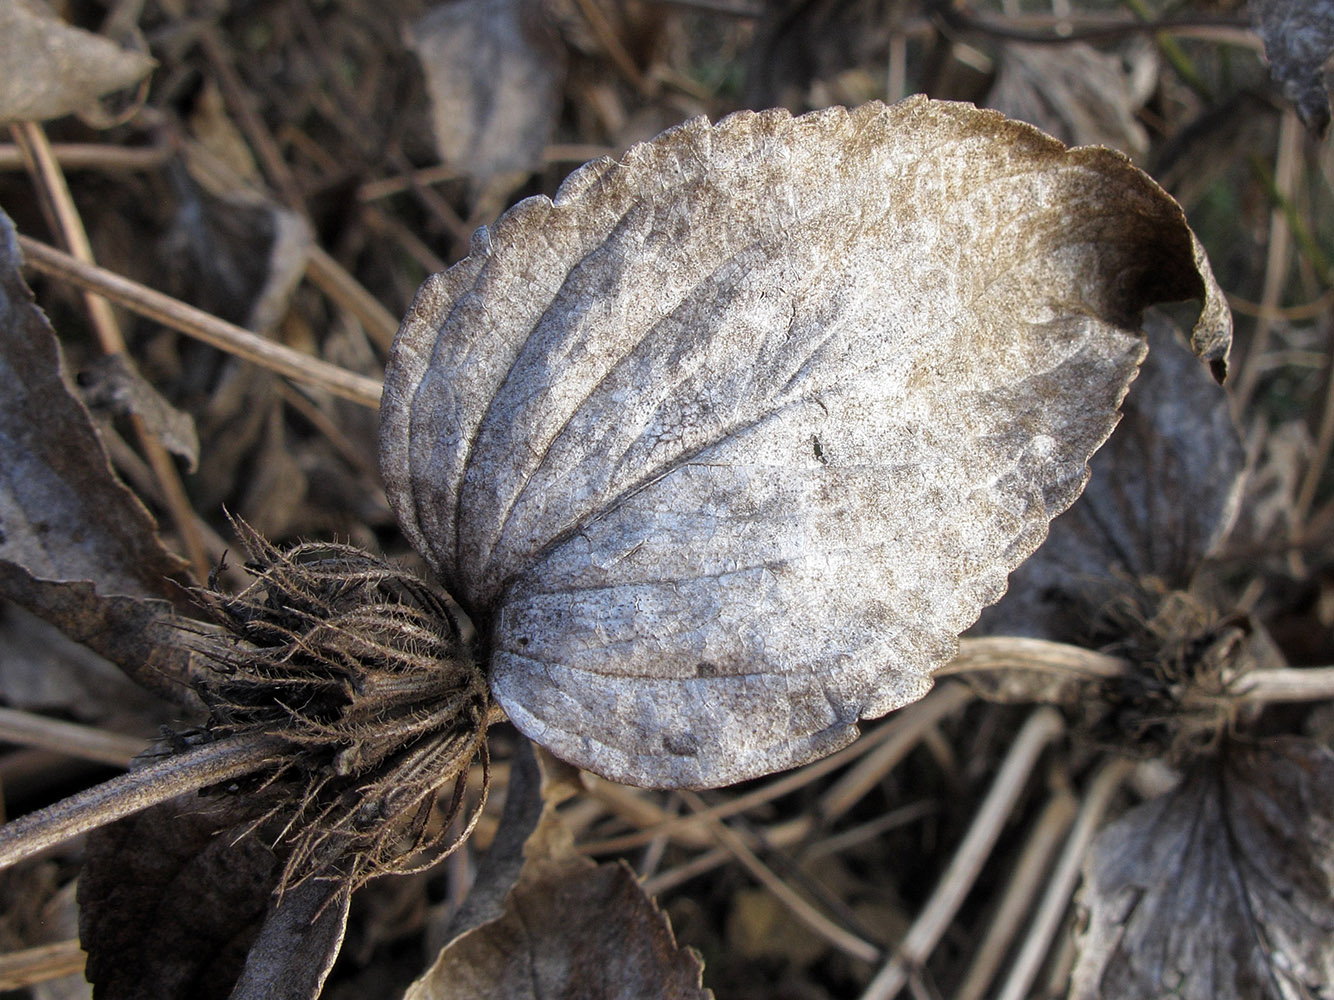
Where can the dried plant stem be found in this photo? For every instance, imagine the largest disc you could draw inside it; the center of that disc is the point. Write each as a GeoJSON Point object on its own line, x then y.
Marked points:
{"type": "Point", "coordinates": [20, 969]}
{"type": "Point", "coordinates": [92, 156]}
{"type": "Point", "coordinates": [69, 738]}
{"type": "Point", "coordinates": [1276, 265]}
{"type": "Point", "coordinates": [334, 280]}
{"type": "Point", "coordinates": [1043, 842]}
{"type": "Point", "coordinates": [1288, 684]}
{"type": "Point", "coordinates": [133, 792]}
{"type": "Point", "coordinates": [1061, 885]}
{"type": "Point", "coordinates": [843, 940]}
{"type": "Point", "coordinates": [50, 180]}
{"type": "Point", "coordinates": [1016, 652]}
{"type": "Point", "coordinates": [1042, 727]}
{"type": "Point", "coordinates": [201, 325]}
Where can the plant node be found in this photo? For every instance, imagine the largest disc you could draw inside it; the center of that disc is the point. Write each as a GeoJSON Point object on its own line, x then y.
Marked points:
{"type": "Point", "coordinates": [361, 669]}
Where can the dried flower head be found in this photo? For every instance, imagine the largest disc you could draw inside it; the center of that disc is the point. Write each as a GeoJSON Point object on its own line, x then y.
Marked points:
{"type": "Point", "coordinates": [361, 669]}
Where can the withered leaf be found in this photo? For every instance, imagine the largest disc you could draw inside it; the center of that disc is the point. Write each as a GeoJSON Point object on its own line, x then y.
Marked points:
{"type": "Point", "coordinates": [567, 927]}
{"type": "Point", "coordinates": [76, 547]}
{"type": "Point", "coordinates": [178, 902]}
{"type": "Point", "coordinates": [1299, 40]}
{"type": "Point", "coordinates": [494, 70]}
{"type": "Point", "coordinates": [724, 447]}
{"type": "Point", "coordinates": [53, 68]}
{"type": "Point", "coordinates": [1164, 489]}
{"type": "Point", "coordinates": [1222, 888]}
{"type": "Point", "coordinates": [112, 385]}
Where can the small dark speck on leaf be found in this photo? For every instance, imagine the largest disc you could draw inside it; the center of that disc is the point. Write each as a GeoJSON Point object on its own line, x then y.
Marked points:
{"type": "Point", "coordinates": [681, 744]}
{"type": "Point", "coordinates": [706, 669]}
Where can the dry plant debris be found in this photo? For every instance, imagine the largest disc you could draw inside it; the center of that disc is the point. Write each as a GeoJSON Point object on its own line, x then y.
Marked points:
{"type": "Point", "coordinates": [804, 388]}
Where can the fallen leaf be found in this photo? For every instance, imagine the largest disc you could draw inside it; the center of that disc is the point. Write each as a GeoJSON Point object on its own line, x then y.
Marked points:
{"type": "Point", "coordinates": [76, 547]}
{"type": "Point", "coordinates": [567, 927]}
{"type": "Point", "coordinates": [723, 448]}
{"type": "Point", "coordinates": [494, 70]}
{"type": "Point", "coordinates": [1222, 888]}
{"type": "Point", "coordinates": [1164, 490]}
{"type": "Point", "coordinates": [53, 68]}
{"type": "Point", "coordinates": [113, 387]}
{"type": "Point", "coordinates": [1299, 40]}
{"type": "Point", "coordinates": [177, 903]}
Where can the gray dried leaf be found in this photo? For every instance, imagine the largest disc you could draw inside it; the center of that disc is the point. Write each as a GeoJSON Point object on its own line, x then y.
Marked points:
{"type": "Point", "coordinates": [113, 386]}
{"type": "Point", "coordinates": [494, 70]}
{"type": "Point", "coordinates": [551, 923]}
{"type": "Point", "coordinates": [76, 546]}
{"type": "Point", "coordinates": [1299, 40]}
{"type": "Point", "coordinates": [1222, 888]}
{"type": "Point", "coordinates": [53, 68]}
{"type": "Point", "coordinates": [1163, 492]}
{"type": "Point", "coordinates": [1076, 93]}
{"type": "Point", "coordinates": [724, 447]}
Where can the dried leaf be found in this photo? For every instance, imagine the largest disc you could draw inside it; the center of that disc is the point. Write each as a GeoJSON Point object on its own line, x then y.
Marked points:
{"type": "Point", "coordinates": [76, 547]}
{"type": "Point", "coordinates": [113, 386]}
{"type": "Point", "coordinates": [1299, 40]}
{"type": "Point", "coordinates": [724, 447]}
{"type": "Point", "coordinates": [494, 70]}
{"type": "Point", "coordinates": [567, 927]}
{"type": "Point", "coordinates": [52, 68]}
{"type": "Point", "coordinates": [1221, 888]}
{"type": "Point", "coordinates": [1164, 489]}
{"type": "Point", "coordinates": [178, 902]}
{"type": "Point", "coordinates": [1076, 93]}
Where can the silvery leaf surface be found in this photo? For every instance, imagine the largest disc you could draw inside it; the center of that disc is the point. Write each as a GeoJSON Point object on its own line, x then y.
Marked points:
{"type": "Point", "coordinates": [725, 445]}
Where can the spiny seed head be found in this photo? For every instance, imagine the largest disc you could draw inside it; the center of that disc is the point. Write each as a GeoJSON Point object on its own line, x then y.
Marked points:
{"type": "Point", "coordinates": [360, 667]}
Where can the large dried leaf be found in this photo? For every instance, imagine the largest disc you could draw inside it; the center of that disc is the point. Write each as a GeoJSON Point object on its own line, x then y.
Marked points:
{"type": "Point", "coordinates": [561, 927]}
{"type": "Point", "coordinates": [724, 447]}
{"type": "Point", "coordinates": [1222, 888]}
{"type": "Point", "coordinates": [178, 902]}
{"type": "Point", "coordinates": [52, 68]}
{"type": "Point", "coordinates": [76, 547]}
{"type": "Point", "coordinates": [1164, 489]}
{"type": "Point", "coordinates": [1299, 40]}
{"type": "Point", "coordinates": [494, 69]}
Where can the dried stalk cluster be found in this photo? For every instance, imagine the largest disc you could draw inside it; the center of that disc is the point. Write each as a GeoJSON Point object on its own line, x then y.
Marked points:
{"type": "Point", "coordinates": [361, 669]}
{"type": "Point", "coordinates": [1181, 699]}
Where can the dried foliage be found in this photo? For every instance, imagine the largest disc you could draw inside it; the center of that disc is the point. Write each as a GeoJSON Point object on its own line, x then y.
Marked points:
{"type": "Point", "coordinates": [1223, 888]}
{"type": "Point", "coordinates": [300, 168]}
{"type": "Point", "coordinates": [646, 449]}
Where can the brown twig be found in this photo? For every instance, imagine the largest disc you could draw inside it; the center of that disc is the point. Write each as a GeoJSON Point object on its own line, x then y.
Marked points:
{"type": "Point", "coordinates": [41, 964]}
{"type": "Point", "coordinates": [127, 794]}
{"type": "Point", "coordinates": [70, 738]}
{"type": "Point", "coordinates": [201, 325]}
{"type": "Point", "coordinates": [50, 179]}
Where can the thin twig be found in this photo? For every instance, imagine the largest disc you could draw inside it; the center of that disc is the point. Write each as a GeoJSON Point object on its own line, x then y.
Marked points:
{"type": "Point", "coordinates": [1029, 874]}
{"type": "Point", "coordinates": [1021, 653]}
{"type": "Point", "coordinates": [41, 964]}
{"type": "Point", "coordinates": [1061, 885]}
{"type": "Point", "coordinates": [331, 278]}
{"type": "Point", "coordinates": [842, 939]}
{"type": "Point", "coordinates": [201, 325]}
{"type": "Point", "coordinates": [93, 156]}
{"type": "Point", "coordinates": [50, 179]}
{"type": "Point", "coordinates": [1042, 727]}
{"type": "Point", "coordinates": [85, 742]}
{"type": "Point", "coordinates": [1287, 684]}
{"type": "Point", "coordinates": [133, 792]}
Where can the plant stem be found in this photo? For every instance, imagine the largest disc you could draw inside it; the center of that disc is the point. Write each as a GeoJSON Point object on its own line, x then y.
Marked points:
{"type": "Point", "coordinates": [1018, 652]}
{"type": "Point", "coordinates": [130, 793]}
